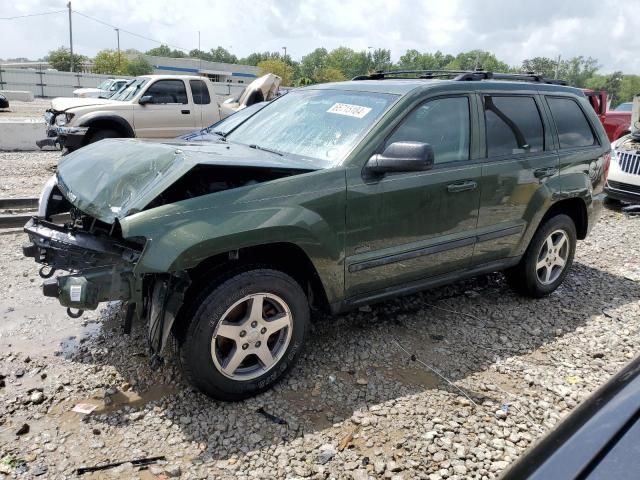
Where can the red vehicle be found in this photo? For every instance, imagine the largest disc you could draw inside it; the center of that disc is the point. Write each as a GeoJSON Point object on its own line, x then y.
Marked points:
{"type": "Point", "coordinates": [616, 123]}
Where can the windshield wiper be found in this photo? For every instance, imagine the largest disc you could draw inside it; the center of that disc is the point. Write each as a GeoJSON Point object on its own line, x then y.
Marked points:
{"type": "Point", "coordinates": [264, 149]}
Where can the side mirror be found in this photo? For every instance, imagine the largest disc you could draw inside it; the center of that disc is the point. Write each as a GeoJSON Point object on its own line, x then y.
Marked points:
{"type": "Point", "coordinates": [402, 157]}
{"type": "Point", "coordinates": [145, 99]}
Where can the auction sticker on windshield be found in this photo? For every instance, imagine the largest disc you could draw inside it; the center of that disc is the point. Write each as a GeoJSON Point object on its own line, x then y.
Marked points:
{"type": "Point", "coordinates": [357, 111]}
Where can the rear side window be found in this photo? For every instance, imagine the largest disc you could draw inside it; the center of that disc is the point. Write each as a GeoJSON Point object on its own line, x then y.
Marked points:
{"type": "Point", "coordinates": [168, 91]}
{"type": "Point", "coordinates": [573, 127]}
{"type": "Point", "coordinates": [514, 126]}
{"type": "Point", "coordinates": [200, 92]}
{"type": "Point", "coordinates": [443, 123]}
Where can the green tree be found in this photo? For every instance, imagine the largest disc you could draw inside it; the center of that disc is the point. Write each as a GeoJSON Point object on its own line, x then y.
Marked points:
{"type": "Point", "coordinates": [328, 74]}
{"type": "Point", "coordinates": [610, 83]}
{"type": "Point", "coordinates": [349, 62]}
{"type": "Point", "coordinates": [60, 59]}
{"type": "Point", "coordinates": [381, 59]}
{"type": "Point", "coordinates": [165, 51]}
{"type": "Point", "coordinates": [542, 65]}
{"type": "Point", "coordinates": [139, 66]}
{"type": "Point", "coordinates": [629, 86]}
{"type": "Point", "coordinates": [414, 60]}
{"type": "Point", "coordinates": [109, 62]}
{"type": "Point", "coordinates": [477, 59]}
{"type": "Point", "coordinates": [257, 57]}
{"type": "Point", "coordinates": [277, 67]}
{"type": "Point", "coordinates": [577, 70]}
{"type": "Point", "coordinates": [313, 62]}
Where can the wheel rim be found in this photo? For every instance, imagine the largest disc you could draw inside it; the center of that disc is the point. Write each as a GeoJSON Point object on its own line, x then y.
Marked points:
{"type": "Point", "coordinates": [552, 258]}
{"type": "Point", "coordinates": [252, 336]}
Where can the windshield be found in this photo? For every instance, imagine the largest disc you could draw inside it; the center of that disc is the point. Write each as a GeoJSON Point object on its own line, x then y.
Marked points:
{"type": "Point", "coordinates": [130, 90]}
{"type": "Point", "coordinates": [320, 124]}
{"type": "Point", "coordinates": [105, 85]}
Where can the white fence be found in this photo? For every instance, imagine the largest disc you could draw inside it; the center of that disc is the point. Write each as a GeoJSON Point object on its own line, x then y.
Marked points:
{"type": "Point", "coordinates": [47, 83]}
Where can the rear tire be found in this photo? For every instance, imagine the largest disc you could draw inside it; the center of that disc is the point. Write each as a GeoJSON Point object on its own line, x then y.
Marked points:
{"type": "Point", "coordinates": [246, 333]}
{"type": "Point", "coordinates": [547, 260]}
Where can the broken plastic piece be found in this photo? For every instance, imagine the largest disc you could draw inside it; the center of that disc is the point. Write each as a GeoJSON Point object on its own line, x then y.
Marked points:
{"type": "Point", "coordinates": [136, 463]}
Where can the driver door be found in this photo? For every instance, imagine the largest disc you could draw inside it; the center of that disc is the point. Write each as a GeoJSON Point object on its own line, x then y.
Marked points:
{"type": "Point", "coordinates": [403, 228]}
{"type": "Point", "coordinates": [169, 113]}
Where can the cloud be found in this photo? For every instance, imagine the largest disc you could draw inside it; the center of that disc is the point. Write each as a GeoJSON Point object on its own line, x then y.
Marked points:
{"type": "Point", "coordinates": [604, 29]}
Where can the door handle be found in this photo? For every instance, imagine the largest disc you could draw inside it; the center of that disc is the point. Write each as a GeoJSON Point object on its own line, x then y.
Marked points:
{"type": "Point", "coordinates": [461, 186]}
{"type": "Point", "coordinates": [185, 112]}
{"type": "Point", "coordinates": [545, 172]}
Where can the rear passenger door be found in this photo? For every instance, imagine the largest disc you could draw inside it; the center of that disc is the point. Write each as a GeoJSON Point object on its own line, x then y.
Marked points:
{"type": "Point", "coordinates": [169, 114]}
{"type": "Point", "coordinates": [520, 158]}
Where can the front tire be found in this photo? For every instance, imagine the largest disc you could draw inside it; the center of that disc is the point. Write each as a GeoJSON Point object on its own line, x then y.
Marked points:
{"type": "Point", "coordinates": [246, 333]}
{"type": "Point", "coordinates": [547, 260]}
{"type": "Point", "coordinates": [101, 134]}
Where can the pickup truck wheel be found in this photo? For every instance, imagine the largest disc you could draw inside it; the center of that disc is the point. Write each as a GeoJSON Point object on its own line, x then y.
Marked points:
{"type": "Point", "coordinates": [547, 260]}
{"type": "Point", "coordinates": [245, 334]}
{"type": "Point", "coordinates": [102, 134]}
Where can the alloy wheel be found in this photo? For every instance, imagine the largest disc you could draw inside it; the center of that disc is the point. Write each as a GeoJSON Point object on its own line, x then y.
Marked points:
{"type": "Point", "coordinates": [252, 336]}
{"type": "Point", "coordinates": [553, 256]}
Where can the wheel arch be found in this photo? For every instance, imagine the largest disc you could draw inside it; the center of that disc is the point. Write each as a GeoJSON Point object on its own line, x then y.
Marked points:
{"type": "Point", "coordinates": [576, 209]}
{"type": "Point", "coordinates": [287, 257]}
{"type": "Point", "coordinates": [112, 122]}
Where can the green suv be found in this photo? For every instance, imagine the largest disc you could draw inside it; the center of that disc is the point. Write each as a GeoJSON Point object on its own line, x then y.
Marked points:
{"type": "Point", "coordinates": [330, 197]}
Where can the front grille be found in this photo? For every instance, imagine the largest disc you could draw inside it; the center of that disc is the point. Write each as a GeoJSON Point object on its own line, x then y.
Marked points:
{"type": "Point", "coordinates": [627, 187]}
{"type": "Point", "coordinates": [629, 162]}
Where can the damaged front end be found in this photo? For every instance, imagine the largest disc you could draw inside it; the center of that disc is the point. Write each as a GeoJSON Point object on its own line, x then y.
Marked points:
{"type": "Point", "coordinates": [106, 187]}
{"type": "Point", "coordinates": [100, 266]}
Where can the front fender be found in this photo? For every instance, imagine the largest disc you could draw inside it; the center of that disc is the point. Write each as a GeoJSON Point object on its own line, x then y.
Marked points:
{"type": "Point", "coordinates": [182, 235]}
{"type": "Point", "coordinates": [89, 119]}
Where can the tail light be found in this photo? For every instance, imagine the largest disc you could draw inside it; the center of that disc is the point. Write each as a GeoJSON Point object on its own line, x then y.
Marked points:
{"type": "Point", "coordinates": [607, 162]}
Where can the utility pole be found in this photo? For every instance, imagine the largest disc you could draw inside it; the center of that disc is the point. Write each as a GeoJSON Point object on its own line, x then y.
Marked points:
{"type": "Point", "coordinates": [285, 53]}
{"type": "Point", "coordinates": [118, 35]}
{"type": "Point", "coordinates": [70, 39]}
{"type": "Point", "coordinates": [557, 66]}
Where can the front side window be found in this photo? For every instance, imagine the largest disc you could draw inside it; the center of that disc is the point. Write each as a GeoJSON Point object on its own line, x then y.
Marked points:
{"type": "Point", "coordinates": [443, 123]}
{"type": "Point", "coordinates": [200, 92]}
{"type": "Point", "coordinates": [323, 125]}
{"type": "Point", "coordinates": [514, 126]}
{"type": "Point", "coordinates": [168, 91]}
{"type": "Point", "coordinates": [573, 127]}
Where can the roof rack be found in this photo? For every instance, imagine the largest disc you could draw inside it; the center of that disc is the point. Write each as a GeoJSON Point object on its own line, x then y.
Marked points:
{"type": "Point", "coordinates": [462, 75]}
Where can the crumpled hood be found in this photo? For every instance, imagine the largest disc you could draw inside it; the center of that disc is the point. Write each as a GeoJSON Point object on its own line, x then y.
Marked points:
{"type": "Point", "coordinates": [62, 104]}
{"type": "Point", "coordinates": [111, 179]}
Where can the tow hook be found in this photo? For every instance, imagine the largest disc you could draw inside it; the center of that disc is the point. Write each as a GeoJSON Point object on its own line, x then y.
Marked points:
{"type": "Point", "coordinates": [76, 314]}
{"type": "Point", "coordinates": [46, 271]}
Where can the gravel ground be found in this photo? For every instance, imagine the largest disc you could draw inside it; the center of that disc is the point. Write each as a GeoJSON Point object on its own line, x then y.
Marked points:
{"type": "Point", "coordinates": [363, 402]}
{"type": "Point", "coordinates": [22, 174]}
{"type": "Point", "coordinates": [33, 109]}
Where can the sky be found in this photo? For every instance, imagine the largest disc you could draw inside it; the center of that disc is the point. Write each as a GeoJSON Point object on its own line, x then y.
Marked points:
{"type": "Point", "coordinates": [512, 29]}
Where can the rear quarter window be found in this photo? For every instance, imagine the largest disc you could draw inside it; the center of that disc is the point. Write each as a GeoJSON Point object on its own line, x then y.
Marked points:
{"type": "Point", "coordinates": [571, 124]}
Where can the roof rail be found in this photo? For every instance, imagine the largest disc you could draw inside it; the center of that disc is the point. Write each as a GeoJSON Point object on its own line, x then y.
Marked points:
{"type": "Point", "coordinates": [462, 75]}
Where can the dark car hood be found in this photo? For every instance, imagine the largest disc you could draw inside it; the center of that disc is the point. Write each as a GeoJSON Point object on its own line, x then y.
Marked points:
{"type": "Point", "coordinates": [111, 179]}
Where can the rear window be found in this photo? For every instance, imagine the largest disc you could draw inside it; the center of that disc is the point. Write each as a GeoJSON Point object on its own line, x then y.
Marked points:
{"type": "Point", "coordinates": [573, 127]}
{"type": "Point", "coordinates": [513, 125]}
{"type": "Point", "coordinates": [200, 92]}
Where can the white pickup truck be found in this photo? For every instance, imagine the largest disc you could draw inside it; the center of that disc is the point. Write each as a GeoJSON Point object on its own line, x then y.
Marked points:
{"type": "Point", "coordinates": [150, 106]}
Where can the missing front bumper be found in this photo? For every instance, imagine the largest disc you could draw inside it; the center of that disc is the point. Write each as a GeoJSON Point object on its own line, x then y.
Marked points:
{"type": "Point", "coordinates": [101, 267]}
